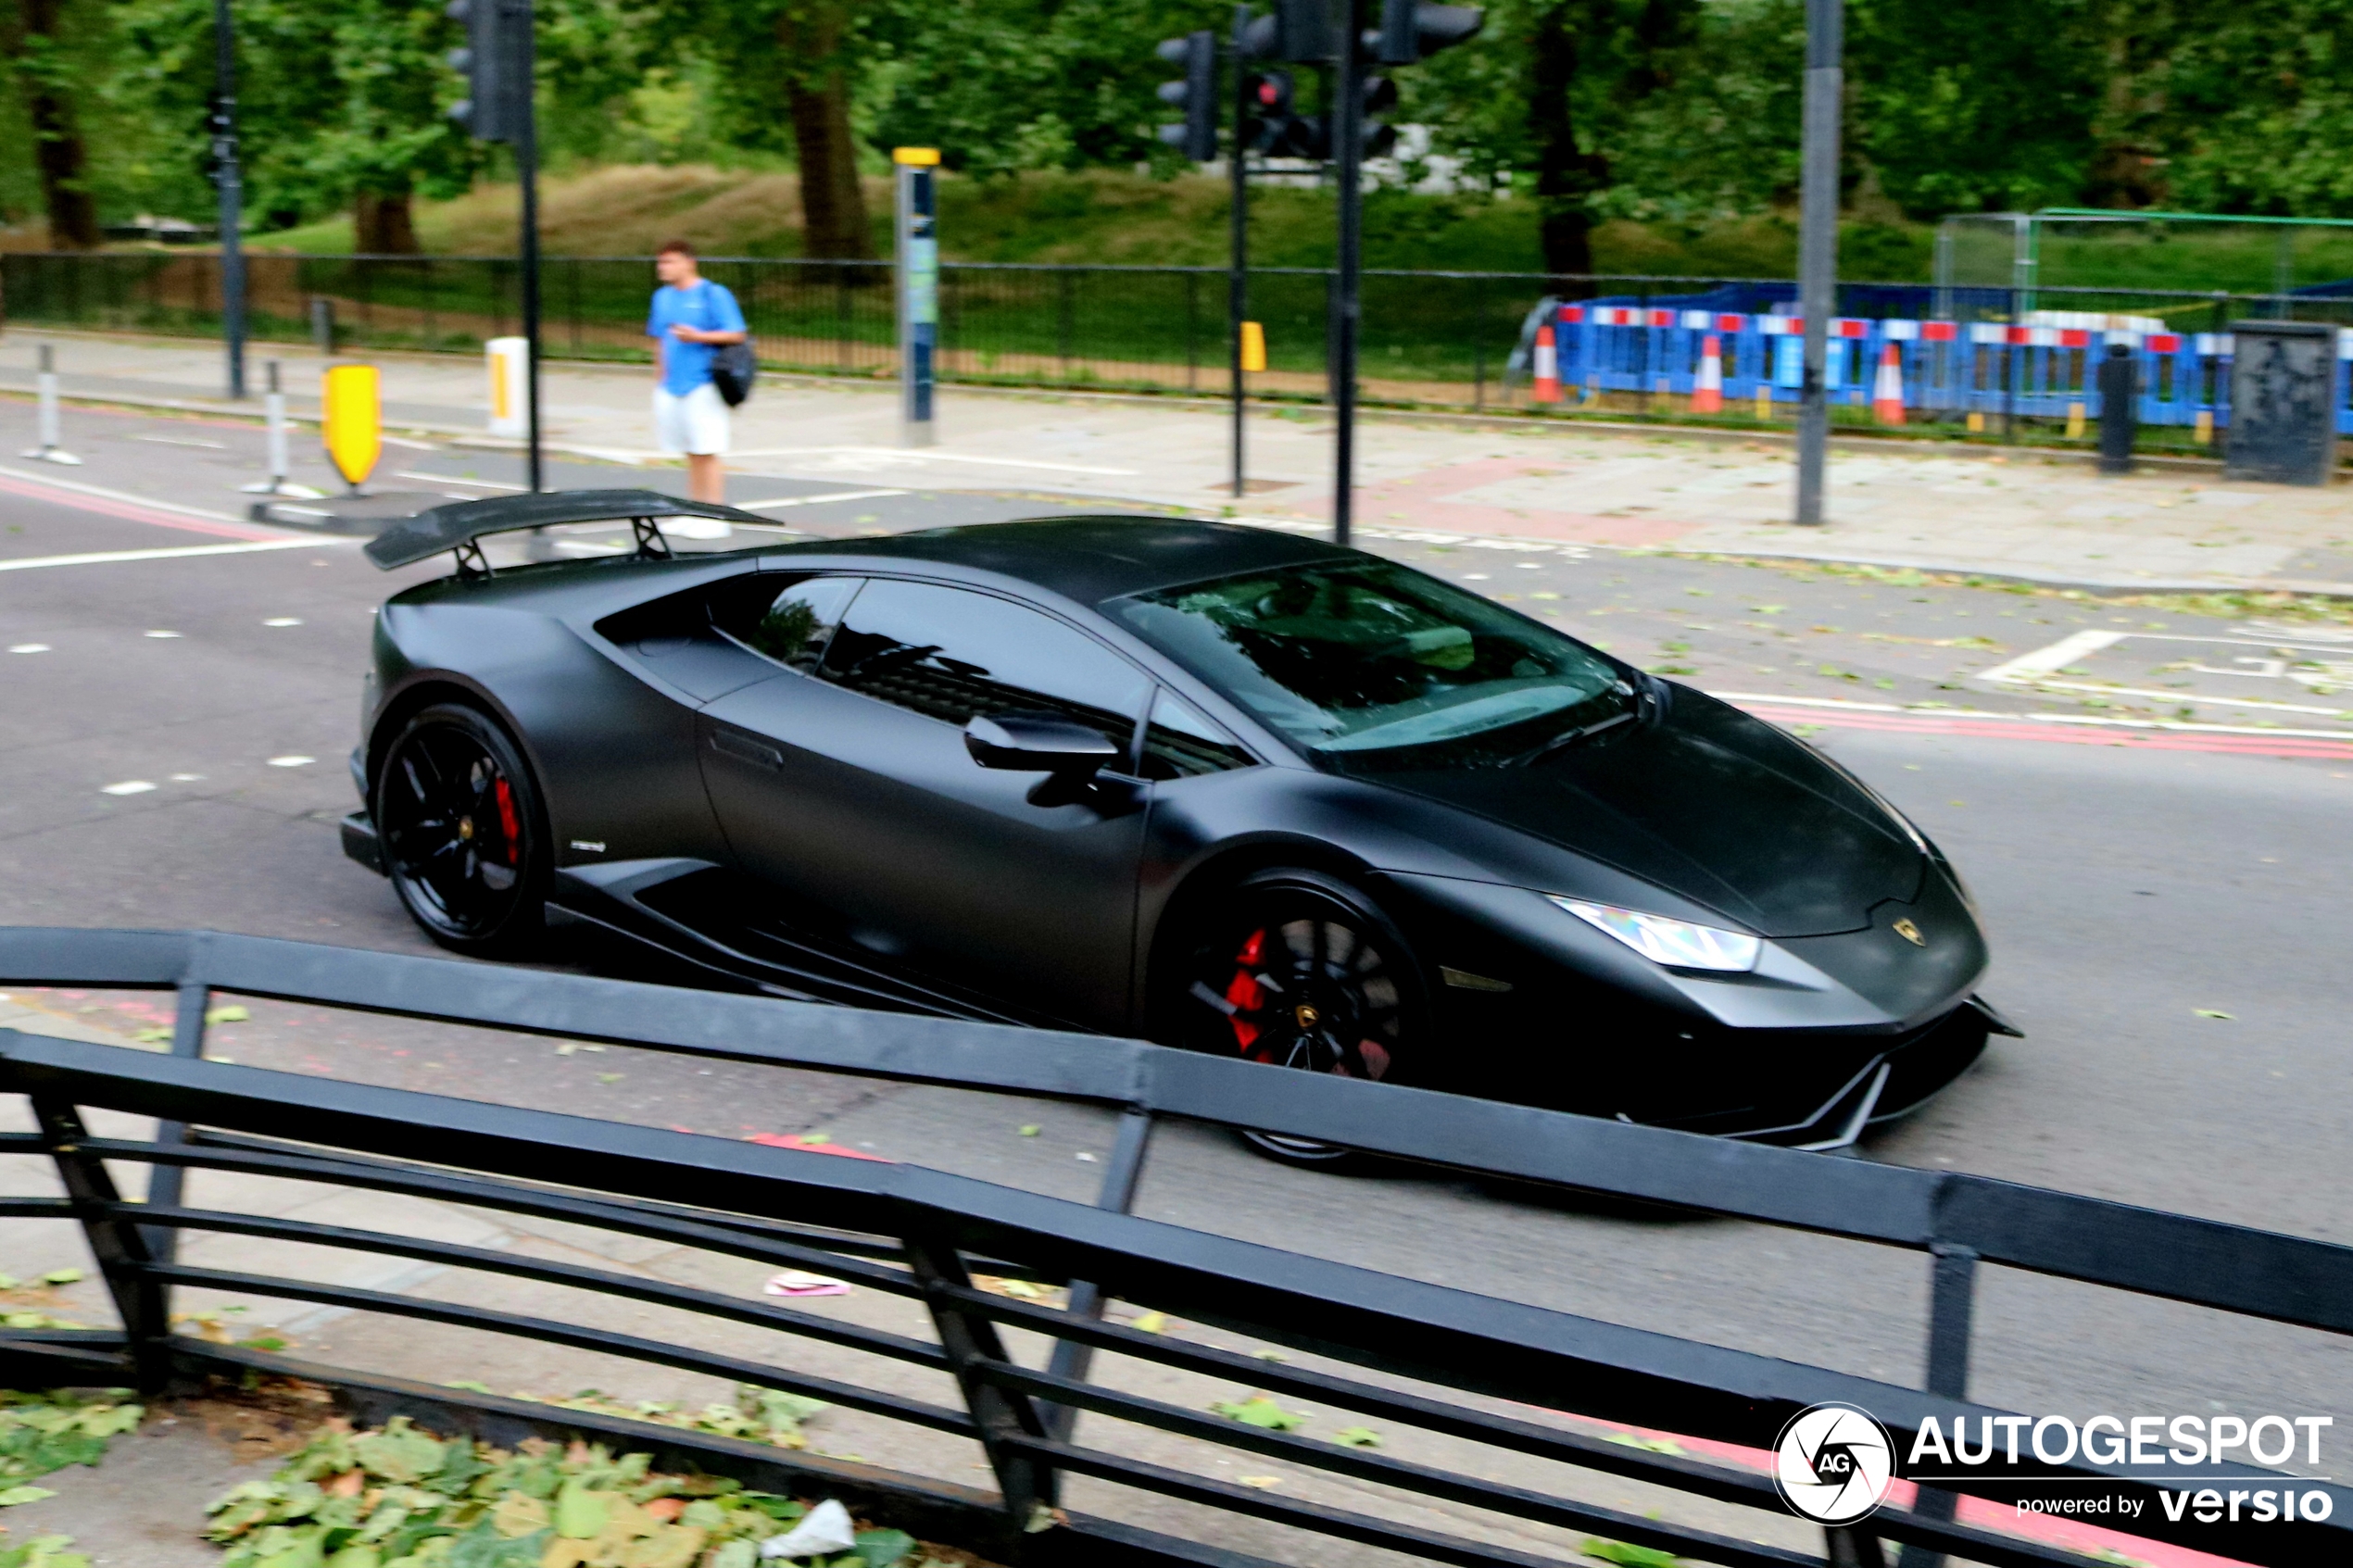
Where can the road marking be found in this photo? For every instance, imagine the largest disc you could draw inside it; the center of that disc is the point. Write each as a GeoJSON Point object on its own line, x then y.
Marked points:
{"type": "Point", "coordinates": [2193, 699]}
{"type": "Point", "coordinates": [128, 786]}
{"type": "Point", "coordinates": [292, 762]}
{"type": "Point", "coordinates": [816, 500]}
{"type": "Point", "coordinates": [2090, 720]}
{"type": "Point", "coordinates": [284, 620]}
{"type": "Point", "coordinates": [452, 478]}
{"type": "Point", "coordinates": [403, 441]}
{"type": "Point", "coordinates": [100, 558]}
{"type": "Point", "coordinates": [144, 509]}
{"type": "Point", "coordinates": [2050, 660]}
{"type": "Point", "coordinates": [28, 648]}
{"type": "Point", "coordinates": [933, 455]}
{"type": "Point", "coordinates": [2065, 728]}
{"type": "Point", "coordinates": [183, 441]}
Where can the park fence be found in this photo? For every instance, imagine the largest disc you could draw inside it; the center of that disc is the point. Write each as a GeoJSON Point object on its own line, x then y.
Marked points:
{"type": "Point", "coordinates": [1479, 1371]}
{"type": "Point", "coordinates": [1430, 339]}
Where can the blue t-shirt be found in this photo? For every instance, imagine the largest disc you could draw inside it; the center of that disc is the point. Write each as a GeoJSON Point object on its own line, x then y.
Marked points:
{"type": "Point", "coordinates": [707, 307]}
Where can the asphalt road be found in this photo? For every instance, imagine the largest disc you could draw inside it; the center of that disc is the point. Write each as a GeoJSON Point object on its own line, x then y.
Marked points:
{"type": "Point", "coordinates": [2134, 891]}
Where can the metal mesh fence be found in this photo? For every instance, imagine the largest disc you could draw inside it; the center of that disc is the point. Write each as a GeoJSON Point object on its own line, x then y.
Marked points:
{"type": "Point", "coordinates": [1429, 339]}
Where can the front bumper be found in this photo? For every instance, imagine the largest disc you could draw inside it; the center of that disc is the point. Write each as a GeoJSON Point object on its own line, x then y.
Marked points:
{"type": "Point", "coordinates": [360, 843]}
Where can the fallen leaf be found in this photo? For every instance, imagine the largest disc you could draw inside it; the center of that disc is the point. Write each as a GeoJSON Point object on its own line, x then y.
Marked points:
{"type": "Point", "coordinates": [1151, 1323]}
{"type": "Point", "coordinates": [16, 1494]}
{"type": "Point", "coordinates": [1357, 1437]}
{"type": "Point", "coordinates": [1627, 1555]}
{"type": "Point", "coordinates": [62, 1276]}
{"type": "Point", "coordinates": [1260, 1411]}
{"type": "Point", "coordinates": [2209, 1012]}
{"type": "Point", "coordinates": [608, 1077]}
{"type": "Point", "coordinates": [1030, 1131]}
{"type": "Point", "coordinates": [232, 1013]}
{"type": "Point", "coordinates": [1259, 1481]}
{"type": "Point", "coordinates": [151, 1037]}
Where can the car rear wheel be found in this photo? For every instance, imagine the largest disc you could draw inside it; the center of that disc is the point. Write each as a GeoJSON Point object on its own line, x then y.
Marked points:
{"type": "Point", "coordinates": [1295, 969]}
{"type": "Point", "coordinates": [462, 830]}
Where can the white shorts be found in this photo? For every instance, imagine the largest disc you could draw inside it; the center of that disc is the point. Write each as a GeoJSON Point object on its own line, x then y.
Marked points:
{"type": "Point", "coordinates": [693, 425]}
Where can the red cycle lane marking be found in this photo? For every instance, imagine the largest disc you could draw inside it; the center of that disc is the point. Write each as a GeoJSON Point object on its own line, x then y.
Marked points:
{"type": "Point", "coordinates": [1980, 1513]}
{"type": "Point", "coordinates": [132, 513]}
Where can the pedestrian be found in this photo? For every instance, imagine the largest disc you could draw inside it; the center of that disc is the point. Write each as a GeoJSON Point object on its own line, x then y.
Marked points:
{"type": "Point", "coordinates": [692, 317]}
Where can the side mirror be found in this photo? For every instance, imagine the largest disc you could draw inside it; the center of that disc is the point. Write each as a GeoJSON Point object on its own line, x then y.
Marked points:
{"type": "Point", "coordinates": [1027, 743]}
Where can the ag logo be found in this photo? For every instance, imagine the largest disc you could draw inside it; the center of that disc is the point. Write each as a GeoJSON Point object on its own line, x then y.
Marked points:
{"type": "Point", "coordinates": [1833, 1463]}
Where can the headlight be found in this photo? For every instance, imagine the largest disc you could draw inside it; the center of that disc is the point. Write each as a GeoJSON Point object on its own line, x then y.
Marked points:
{"type": "Point", "coordinates": [1678, 944]}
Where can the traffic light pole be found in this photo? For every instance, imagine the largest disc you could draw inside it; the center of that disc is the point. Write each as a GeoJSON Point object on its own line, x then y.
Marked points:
{"type": "Point", "coordinates": [231, 184]}
{"type": "Point", "coordinates": [527, 174]}
{"type": "Point", "coordinates": [1238, 279]}
{"type": "Point", "coordinates": [1348, 158]}
{"type": "Point", "coordinates": [1818, 244]}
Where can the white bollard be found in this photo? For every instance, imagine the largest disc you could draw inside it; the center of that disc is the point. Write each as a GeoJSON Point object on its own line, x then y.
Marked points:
{"type": "Point", "coordinates": [278, 483]}
{"type": "Point", "coordinates": [50, 451]}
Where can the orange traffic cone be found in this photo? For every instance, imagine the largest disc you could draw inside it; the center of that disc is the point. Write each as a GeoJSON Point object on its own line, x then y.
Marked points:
{"type": "Point", "coordinates": [1708, 396]}
{"type": "Point", "coordinates": [1887, 392]}
{"type": "Point", "coordinates": [1548, 368]}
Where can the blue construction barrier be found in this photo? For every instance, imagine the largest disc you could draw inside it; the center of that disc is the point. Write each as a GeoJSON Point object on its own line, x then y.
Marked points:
{"type": "Point", "coordinates": [1950, 370]}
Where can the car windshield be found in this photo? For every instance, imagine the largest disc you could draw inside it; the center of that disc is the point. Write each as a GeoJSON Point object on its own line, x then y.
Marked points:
{"type": "Point", "coordinates": [1370, 665]}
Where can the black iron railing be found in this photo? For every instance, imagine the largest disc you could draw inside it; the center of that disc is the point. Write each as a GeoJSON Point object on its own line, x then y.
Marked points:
{"type": "Point", "coordinates": [920, 1235]}
{"type": "Point", "coordinates": [1429, 338]}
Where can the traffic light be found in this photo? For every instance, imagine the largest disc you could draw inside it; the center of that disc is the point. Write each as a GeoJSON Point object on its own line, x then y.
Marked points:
{"type": "Point", "coordinates": [1414, 29]}
{"type": "Point", "coordinates": [1277, 128]}
{"type": "Point", "coordinates": [497, 63]}
{"type": "Point", "coordinates": [1300, 31]}
{"type": "Point", "coordinates": [1380, 96]}
{"type": "Point", "coordinates": [1196, 94]}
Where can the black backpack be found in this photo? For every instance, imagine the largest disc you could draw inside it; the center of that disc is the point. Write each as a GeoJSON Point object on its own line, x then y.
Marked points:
{"type": "Point", "coordinates": [733, 369]}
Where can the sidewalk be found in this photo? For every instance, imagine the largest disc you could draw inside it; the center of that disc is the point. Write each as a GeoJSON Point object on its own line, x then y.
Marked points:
{"type": "Point", "coordinates": [2018, 514]}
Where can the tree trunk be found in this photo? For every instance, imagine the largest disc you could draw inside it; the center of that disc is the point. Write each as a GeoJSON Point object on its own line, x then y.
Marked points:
{"type": "Point", "coordinates": [57, 149]}
{"type": "Point", "coordinates": [383, 224]}
{"type": "Point", "coordinates": [1566, 177]}
{"type": "Point", "coordinates": [833, 204]}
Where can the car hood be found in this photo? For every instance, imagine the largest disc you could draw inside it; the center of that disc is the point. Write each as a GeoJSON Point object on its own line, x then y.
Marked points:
{"type": "Point", "coordinates": [1711, 805]}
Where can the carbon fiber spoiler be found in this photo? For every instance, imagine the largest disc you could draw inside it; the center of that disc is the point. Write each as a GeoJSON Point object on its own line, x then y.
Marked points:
{"type": "Point", "coordinates": [459, 524]}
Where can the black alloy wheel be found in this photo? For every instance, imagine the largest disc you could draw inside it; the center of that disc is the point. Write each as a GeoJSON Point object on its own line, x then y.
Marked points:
{"type": "Point", "coordinates": [1295, 969]}
{"type": "Point", "coordinates": [464, 838]}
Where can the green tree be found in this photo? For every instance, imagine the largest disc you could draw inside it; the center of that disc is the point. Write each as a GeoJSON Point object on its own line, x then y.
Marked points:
{"type": "Point", "coordinates": [2250, 105]}
{"type": "Point", "coordinates": [43, 60]}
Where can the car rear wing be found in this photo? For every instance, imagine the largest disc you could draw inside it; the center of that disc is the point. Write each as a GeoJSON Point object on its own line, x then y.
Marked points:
{"type": "Point", "coordinates": [458, 525]}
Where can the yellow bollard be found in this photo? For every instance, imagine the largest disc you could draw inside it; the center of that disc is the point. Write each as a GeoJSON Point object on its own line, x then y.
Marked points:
{"type": "Point", "coordinates": [1976, 423]}
{"type": "Point", "coordinates": [1764, 400]}
{"type": "Point", "coordinates": [2075, 422]}
{"type": "Point", "coordinates": [353, 428]}
{"type": "Point", "coordinates": [1254, 346]}
{"type": "Point", "coordinates": [2203, 432]}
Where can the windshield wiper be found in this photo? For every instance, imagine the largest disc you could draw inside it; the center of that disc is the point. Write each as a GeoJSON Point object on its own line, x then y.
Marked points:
{"type": "Point", "coordinates": [1567, 738]}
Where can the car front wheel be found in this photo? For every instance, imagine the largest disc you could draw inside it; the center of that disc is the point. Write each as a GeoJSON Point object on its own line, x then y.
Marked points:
{"type": "Point", "coordinates": [463, 833]}
{"type": "Point", "coordinates": [1296, 969]}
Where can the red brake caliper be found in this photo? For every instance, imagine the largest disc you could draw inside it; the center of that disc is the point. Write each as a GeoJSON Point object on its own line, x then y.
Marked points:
{"type": "Point", "coordinates": [1245, 992]}
{"type": "Point", "coordinates": [506, 820]}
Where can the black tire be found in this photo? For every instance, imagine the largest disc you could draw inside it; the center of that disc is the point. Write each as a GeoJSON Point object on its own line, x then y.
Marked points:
{"type": "Point", "coordinates": [1297, 969]}
{"type": "Point", "coordinates": [464, 834]}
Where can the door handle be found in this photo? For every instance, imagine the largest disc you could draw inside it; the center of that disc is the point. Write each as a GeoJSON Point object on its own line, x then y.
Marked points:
{"type": "Point", "coordinates": [748, 750]}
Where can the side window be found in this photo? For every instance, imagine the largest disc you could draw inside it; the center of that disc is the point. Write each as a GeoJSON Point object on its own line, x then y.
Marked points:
{"type": "Point", "coordinates": [792, 626]}
{"type": "Point", "coordinates": [949, 654]}
{"type": "Point", "coordinates": [1180, 742]}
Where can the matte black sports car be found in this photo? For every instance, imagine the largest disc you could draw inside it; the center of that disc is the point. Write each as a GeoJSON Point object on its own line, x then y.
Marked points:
{"type": "Point", "coordinates": [1214, 786]}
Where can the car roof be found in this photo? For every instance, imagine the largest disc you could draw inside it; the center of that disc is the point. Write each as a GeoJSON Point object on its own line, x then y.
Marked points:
{"type": "Point", "coordinates": [1093, 558]}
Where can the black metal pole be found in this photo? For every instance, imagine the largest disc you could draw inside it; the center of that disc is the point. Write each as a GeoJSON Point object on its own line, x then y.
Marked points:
{"type": "Point", "coordinates": [1238, 276]}
{"type": "Point", "coordinates": [1818, 244]}
{"type": "Point", "coordinates": [527, 173]}
{"type": "Point", "coordinates": [1348, 158]}
{"type": "Point", "coordinates": [231, 188]}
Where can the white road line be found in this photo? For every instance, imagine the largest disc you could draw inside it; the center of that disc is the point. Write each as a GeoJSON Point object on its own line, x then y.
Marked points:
{"type": "Point", "coordinates": [2050, 660]}
{"type": "Point", "coordinates": [2192, 699]}
{"type": "Point", "coordinates": [182, 441]}
{"type": "Point", "coordinates": [452, 478]}
{"type": "Point", "coordinates": [1776, 699]}
{"type": "Point", "coordinates": [100, 558]}
{"type": "Point", "coordinates": [933, 455]}
{"type": "Point", "coordinates": [814, 500]}
{"type": "Point", "coordinates": [123, 495]}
